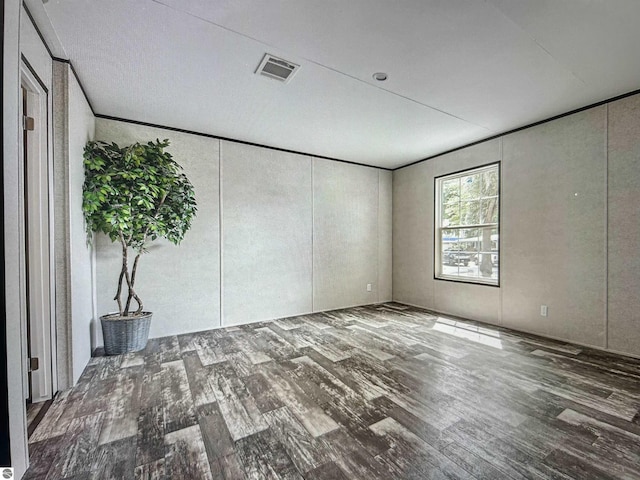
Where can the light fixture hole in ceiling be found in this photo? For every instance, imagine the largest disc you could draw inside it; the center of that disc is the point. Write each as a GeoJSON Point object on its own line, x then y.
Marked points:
{"type": "Point", "coordinates": [277, 68]}
{"type": "Point", "coordinates": [380, 76]}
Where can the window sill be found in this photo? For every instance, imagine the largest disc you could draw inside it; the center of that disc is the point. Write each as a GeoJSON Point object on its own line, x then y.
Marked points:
{"type": "Point", "coordinates": [466, 281]}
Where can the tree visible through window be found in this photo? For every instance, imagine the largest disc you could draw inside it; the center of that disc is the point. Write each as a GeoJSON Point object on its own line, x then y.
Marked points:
{"type": "Point", "coordinates": [467, 225]}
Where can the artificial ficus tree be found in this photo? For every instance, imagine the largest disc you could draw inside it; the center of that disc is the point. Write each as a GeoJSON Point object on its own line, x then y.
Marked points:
{"type": "Point", "coordinates": [135, 195]}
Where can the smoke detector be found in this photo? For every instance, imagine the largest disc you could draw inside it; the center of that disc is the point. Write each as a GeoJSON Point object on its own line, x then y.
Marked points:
{"type": "Point", "coordinates": [277, 68]}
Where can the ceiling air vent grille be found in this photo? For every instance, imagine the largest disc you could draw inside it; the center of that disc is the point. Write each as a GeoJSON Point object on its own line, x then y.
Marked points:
{"type": "Point", "coordinates": [277, 68]}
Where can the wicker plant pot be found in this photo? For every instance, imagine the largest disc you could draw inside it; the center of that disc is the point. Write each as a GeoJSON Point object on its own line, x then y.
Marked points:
{"type": "Point", "coordinates": [125, 334]}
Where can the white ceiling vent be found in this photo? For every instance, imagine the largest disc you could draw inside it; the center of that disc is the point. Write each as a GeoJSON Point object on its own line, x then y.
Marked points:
{"type": "Point", "coordinates": [277, 68]}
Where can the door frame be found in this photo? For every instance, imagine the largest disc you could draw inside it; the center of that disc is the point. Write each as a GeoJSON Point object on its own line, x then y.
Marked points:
{"type": "Point", "coordinates": [39, 183]}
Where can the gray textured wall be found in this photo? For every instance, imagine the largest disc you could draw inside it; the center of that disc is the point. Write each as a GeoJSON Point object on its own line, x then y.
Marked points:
{"type": "Point", "coordinates": [267, 213]}
{"type": "Point", "coordinates": [556, 248]}
{"type": "Point", "coordinates": [624, 225]}
{"type": "Point", "coordinates": [385, 236]}
{"type": "Point", "coordinates": [74, 125]}
{"type": "Point", "coordinates": [413, 235]}
{"type": "Point", "coordinates": [553, 228]}
{"type": "Point", "coordinates": [64, 341]}
{"type": "Point", "coordinates": [345, 234]}
{"type": "Point", "coordinates": [81, 128]}
{"type": "Point", "coordinates": [277, 234]}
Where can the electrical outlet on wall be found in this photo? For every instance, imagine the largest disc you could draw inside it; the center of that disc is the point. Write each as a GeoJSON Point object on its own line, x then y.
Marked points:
{"type": "Point", "coordinates": [369, 287]}
{"type": "Point", "coordinates": [544, 311]}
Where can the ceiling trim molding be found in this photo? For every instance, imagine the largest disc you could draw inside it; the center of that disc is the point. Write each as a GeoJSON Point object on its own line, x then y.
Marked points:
{"type": "Point", "coordinates": [75, 74]}
{"type": "Point", "coordinates": [174, 129]}
{"type": "Point", "coordinates": [53, 57]}
{"type": "Point", "coordinates": [243, 142]}
{"type": "Point", "coordinates": [33, 22]}
{"type": "Point", "coordinates": [467, 145]}
{"type": "Point", "coordinates": [530, 125]}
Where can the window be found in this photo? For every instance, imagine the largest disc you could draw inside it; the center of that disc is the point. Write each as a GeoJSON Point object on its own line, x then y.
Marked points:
{"type": "Point", "coordinates": [467, 226]}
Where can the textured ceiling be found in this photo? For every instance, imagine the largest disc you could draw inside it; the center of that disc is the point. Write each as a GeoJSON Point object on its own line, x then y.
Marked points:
{"type": "Point", "coordinates": [459, 70]}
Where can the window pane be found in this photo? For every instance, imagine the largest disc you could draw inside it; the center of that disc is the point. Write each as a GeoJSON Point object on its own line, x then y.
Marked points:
{"type": "Point", "coordinates": [469, 254]}
{"type": "Point", "coordinates": [470, 212]}
{"type": "Point", "coordinates": [490, 183]}
{"type": "Point", "coordinates": [451, 214]}
{"type": "Point", "coordinates": [488, 261]}
{"type": "Point", "coordinates": [489, 210]}
{"type": "Point", "coordinates": [470, 187]}
{"type": "Point", "coordinates": [448, 243]}
{"type": "Point", "coordinates": [460, 257]}
{"type": "Point", "coordinates": [468, 239]}
{"type": "Point", "coordinates": [449, 238]}
{"type": "Point", "coordinates": [451, 191]}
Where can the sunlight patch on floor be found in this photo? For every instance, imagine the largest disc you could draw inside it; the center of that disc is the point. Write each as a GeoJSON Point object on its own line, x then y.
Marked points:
{"type": "Point", "coordinates": [475, 333]}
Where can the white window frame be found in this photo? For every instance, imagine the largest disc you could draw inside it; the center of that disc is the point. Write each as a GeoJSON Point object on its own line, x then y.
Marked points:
{"type": "Point", "coordinates": [438, 227]}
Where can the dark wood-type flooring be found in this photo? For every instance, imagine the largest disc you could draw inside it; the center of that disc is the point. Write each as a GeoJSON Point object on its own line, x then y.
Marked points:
{"type": "Point", "coordinates": [378, 392]}
{"type": "Point", "coordinates": [35, 413]}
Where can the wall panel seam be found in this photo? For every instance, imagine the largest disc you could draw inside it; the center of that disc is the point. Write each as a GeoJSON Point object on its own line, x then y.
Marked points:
{"type": "Point", "coordinates": [606, 230]}
{"type": "Point", "coordinates": [378, 241]}
{"type": "Point", "coordinates": [500, 219]}
{"type": "Point", "coordinates": [220, 237]}
{"type": "Point", "coordinates": [313, 219]}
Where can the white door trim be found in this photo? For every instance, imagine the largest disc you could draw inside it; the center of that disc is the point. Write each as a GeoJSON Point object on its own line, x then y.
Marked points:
{"type": "Point", "coordinates": [40, 253]}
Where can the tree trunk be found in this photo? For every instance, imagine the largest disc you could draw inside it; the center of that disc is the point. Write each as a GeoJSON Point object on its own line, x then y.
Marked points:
{"type": "Point", "coordinates": [486, 266]}
{"type": "Point", "coordinates": [119, 292]}
{"type": "Point", "coordinates": [132, 293]}
{"type": "Point", "coordinates": [124, 272]}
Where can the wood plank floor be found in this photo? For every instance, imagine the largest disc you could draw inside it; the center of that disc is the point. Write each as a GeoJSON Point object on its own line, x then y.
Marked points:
{"type": "Point", "coordinates": [378, 392]}
{"type": "Point", "coordinates": [35, 413]}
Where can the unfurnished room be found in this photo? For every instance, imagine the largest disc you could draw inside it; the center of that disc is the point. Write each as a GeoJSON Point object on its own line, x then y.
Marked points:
{"type": "Point", "coordinates": [320, 240]}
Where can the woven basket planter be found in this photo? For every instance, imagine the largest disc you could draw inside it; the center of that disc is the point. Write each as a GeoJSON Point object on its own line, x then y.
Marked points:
{"type": "Point", "coordinates": [125, 334]}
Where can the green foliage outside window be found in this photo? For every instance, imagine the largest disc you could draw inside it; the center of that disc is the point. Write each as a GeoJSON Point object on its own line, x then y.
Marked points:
{"type": "Point", "coordinates": [468, 218]}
